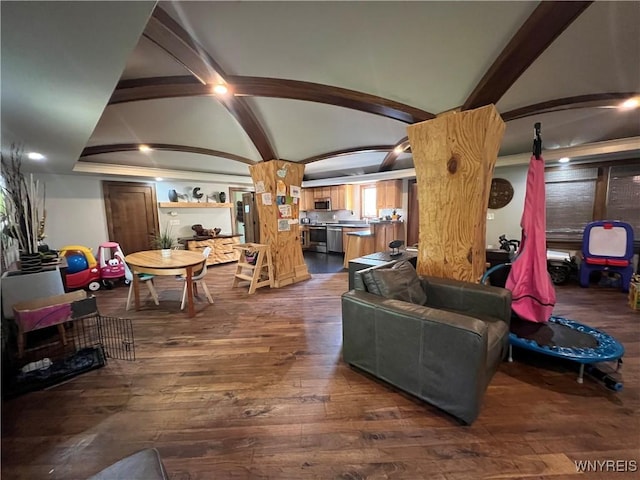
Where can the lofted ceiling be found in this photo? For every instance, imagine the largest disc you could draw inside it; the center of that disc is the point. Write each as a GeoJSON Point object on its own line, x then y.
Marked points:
{"type": "Point", "coordinates": [332, 85]}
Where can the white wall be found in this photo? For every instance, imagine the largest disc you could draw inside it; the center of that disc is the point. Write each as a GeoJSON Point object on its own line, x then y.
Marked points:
{"type": "Point", "coordinates": [76, 212]}
{"type": "Point", "coordinates": [507, 219]}
{"type": "Point", "coordinates": [207, 217]}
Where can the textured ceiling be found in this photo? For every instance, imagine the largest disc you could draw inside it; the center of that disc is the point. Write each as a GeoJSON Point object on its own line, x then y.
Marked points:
{"type": "Point", "coordinates": [77, 77]}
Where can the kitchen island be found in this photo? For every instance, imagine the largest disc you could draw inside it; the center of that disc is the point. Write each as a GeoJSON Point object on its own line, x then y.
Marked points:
{"type": "Point", "coordinates": [358, 244]}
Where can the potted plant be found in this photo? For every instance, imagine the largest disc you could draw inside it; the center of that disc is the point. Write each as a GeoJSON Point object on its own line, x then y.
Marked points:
{"type": "Point", "coordinates": [164, 241]}
{"type": "Point", "coordinates": [23, 214]}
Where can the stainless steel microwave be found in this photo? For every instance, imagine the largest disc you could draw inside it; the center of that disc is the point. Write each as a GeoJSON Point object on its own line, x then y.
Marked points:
{"type": "Point", "coordinates": [322, 204]}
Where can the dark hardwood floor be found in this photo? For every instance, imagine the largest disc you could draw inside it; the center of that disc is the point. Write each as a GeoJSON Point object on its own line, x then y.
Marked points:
{"type": "Point", "coordinates": [254, 387]}
{"type": "Point", "coordinates": [323, 262]}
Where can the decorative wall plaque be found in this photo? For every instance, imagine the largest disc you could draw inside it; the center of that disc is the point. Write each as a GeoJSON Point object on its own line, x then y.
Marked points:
{"type": "Point", "coordinates": [501, 193]}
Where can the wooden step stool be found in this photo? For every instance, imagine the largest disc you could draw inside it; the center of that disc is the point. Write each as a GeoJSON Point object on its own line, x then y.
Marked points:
{"type": "Point", "coordinates": [261, 272]}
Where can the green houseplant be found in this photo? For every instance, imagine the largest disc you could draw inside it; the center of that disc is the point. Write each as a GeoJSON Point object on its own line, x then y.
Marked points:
{"type": "Point", "coordinates": [164, 241]}
{"type": "Point", "coordinates": [23, 214]}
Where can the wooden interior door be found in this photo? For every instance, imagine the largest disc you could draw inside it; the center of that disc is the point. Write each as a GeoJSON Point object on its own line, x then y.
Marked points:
{"type": "Point", "coordinates": [237, 212]}
{"type": "Point", "coordinates": [132, 214]}
{"type": "Point", "coordinates": [251, 222]}
{"type": "Point", "coordinates": [413, 214]}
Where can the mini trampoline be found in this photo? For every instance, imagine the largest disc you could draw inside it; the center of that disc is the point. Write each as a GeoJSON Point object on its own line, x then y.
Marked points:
{"type": "Point", "coordinates": [563, 338]}
{"type": "Point", "coordinates": [533, 325]}
{"type": "Point", "coordinates": [571, 340]}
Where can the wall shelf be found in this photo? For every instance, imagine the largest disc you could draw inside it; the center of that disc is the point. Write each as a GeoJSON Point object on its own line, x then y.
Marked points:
{"type": "Point", "coordinates": [194, 205]}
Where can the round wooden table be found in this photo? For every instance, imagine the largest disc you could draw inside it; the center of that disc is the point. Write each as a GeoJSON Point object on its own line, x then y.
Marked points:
{"type": "Point", "coordinates": [180, 262]}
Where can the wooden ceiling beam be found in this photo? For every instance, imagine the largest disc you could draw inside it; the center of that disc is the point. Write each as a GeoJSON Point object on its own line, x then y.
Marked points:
{"type": "Point", "coordinates": [543, 26]}
{"type": "Point", "coordinates": [593, 100]}
{"type": "Point", "coordinates": [176, 41]}
{"type": "Point", "coordinates": [165, 32]}
{"type": "Point", "coordinates": [347, 151]}
{"type": "Point", "coordinates": [130, 147]}
{"type": "Point", "coordinates": [398, 149]}
{"type": "Point", "coordinates": [319, 93]}
{"type": "Point", "coordinates": [165, 87]}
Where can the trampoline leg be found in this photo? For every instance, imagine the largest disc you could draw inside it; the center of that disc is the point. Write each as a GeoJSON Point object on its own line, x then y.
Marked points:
{"type": "Point", "coordinates": [510, 359]}
{"type": "Point", "coordinates": [581, 374]}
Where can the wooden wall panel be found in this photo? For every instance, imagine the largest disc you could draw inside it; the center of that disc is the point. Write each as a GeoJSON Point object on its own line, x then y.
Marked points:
{"type": "Point", "coordinates": [286, 250]}
{"type": "Point", "coordinates": [454, 157]}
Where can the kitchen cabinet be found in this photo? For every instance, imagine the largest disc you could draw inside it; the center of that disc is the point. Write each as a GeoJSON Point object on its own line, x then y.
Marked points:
{"type": "Point", "coordinates": [337, 197]}
{"type": "Point", "coordinates": [304, 237]}
{"type": "Point", "coordinates": [344, 197]}
{"type": "Point", "coordinates": [389, 194]}
{"type": "Point", "coordinates": [306, 199]}
{"type": "Point", "coordinates": [385, 233]}
{"type": "Point", "coordinates": [321, 193]}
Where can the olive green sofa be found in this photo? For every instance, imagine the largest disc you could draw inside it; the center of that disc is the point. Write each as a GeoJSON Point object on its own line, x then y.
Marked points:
{"type": "Point", "coordinates": [440, 340]}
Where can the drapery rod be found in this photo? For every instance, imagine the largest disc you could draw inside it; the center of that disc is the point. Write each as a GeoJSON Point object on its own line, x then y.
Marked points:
{"type": "Point", "coordinates": [537, 140]}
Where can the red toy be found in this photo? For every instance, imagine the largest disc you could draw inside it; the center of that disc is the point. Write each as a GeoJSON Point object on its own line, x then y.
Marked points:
{"type": "Point", "coordinates": [110, 263]}
{"type": "Point", "coordinates": [82, 268]}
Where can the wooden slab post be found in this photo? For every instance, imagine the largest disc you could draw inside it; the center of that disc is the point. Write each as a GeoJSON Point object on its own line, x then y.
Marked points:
{"type": "Point", "coordinates": [284, 240]}
{"type": "Point", "coordinates": [454, 156]}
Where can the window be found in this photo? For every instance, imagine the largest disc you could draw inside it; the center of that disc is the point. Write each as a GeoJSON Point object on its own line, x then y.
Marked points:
{"type": "Point", "coordinates": [369, 205]}
{"type": "Point", "coordinates": [623, 196]}
{"type": "Point", "coordinates": [580, 194]}
{"type": "Point", "coordinates": [570, 197]}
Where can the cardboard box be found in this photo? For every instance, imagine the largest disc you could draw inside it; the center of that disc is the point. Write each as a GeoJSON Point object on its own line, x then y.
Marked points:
{"type": "Point", "coordinates": [634, 296]}
{"type": "Point", "coordinates": [47, 311]}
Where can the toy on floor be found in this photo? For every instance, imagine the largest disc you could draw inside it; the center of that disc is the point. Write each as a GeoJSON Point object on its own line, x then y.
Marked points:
{"type": "Point", "coordinates": [533, 326]}
{"type": "Point", "coordinates": [82, 268]}
{"type": "Point", "coordinates": [112, 268]}
{"type": "Point", "coordinates": [607, 246]}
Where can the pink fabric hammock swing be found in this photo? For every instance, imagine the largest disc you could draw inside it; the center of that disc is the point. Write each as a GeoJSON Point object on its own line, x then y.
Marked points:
{"type": "Point", "coordinates": [533, 293]}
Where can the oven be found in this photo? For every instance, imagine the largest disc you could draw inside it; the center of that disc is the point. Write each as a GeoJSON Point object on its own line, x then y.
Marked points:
{"type": "Point", "coordinates": [318, 238]}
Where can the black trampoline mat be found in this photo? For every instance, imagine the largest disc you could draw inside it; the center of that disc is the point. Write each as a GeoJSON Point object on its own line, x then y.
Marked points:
{"type": "Point", "coordinates": [552, 334]}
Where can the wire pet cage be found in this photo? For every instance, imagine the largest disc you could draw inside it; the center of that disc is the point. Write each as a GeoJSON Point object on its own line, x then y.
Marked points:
{"type": "Point", "coordinates": [89, 340]}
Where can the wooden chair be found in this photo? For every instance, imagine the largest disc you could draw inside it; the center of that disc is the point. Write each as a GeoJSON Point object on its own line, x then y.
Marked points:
{"type": "Point", "coordinates": [145, 278]}
{"type": "Point", "coordinates": [197, 279]}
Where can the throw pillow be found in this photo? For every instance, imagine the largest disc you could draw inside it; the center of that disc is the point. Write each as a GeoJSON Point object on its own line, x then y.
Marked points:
{"type": "Point", "coordinates": [400, 282]}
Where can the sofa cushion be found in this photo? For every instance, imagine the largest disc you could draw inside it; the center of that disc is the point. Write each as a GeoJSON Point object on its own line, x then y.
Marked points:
{"type": "Point", "coordinates": [143, 465]}
{"type": "Point", "coordinates": [400, 282]}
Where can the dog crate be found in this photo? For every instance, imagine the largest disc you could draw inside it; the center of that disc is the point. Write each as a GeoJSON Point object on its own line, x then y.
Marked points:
{"type": "Point", "coordinates": [53, 356]}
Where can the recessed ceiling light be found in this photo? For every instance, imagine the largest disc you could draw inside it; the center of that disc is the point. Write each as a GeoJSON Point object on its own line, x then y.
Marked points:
{"type": "Point", "coordinates": [159, 179]}
{"type": "Point", "coordinates": [629, 104]}
{"type": "Point", "coordinates": [564, 160]}
{"type": "Point", "coordinates": [220, 89]}
{"type": "Point", "coordinates": [144, 148]}
{"type": "Point", "coordinates": [35, 156]}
